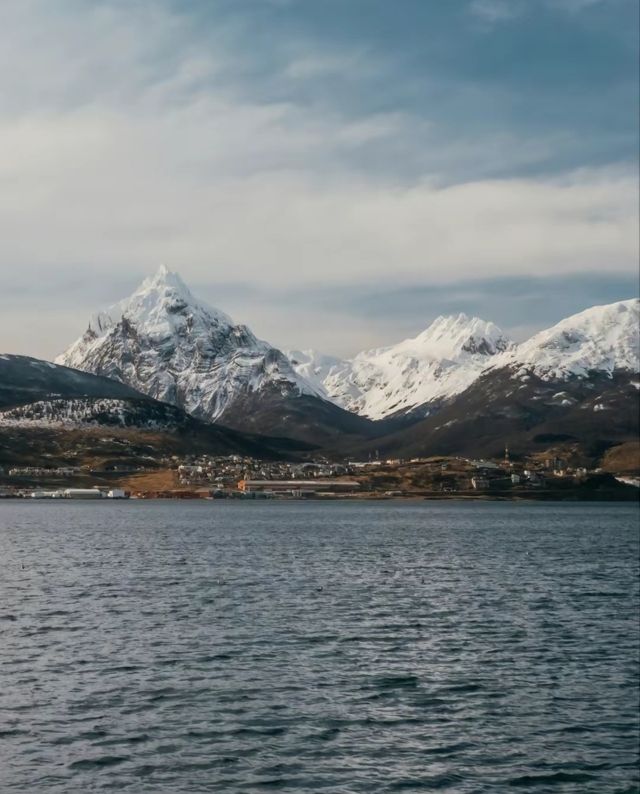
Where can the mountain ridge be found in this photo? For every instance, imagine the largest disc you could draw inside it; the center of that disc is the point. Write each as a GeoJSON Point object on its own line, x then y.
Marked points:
{"type": "Point", "coordinates": [603, 338]}
{"type": "Point", "coordinates": [419, 375]}
{"type": "Point", "coordinates": [429, 368]}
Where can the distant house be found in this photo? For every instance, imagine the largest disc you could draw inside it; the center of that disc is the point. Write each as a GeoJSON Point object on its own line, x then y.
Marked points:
{"type": "Point", "coordinates": [486, 465]}
{"type": "Point", "coordinates": [479, 483]}
{"type": "Point", "coordinates": [190, 471]}
{"type": "Point", "coordinates": [533, 477]}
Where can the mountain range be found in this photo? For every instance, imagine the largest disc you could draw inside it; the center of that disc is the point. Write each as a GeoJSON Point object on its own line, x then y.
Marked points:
{"type": "Point", "coordinates": [470, 390]}
{"type": "Point", "coordinates": [460, 386]}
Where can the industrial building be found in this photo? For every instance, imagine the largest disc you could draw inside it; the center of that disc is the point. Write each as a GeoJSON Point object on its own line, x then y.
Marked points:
{"type": "Point", "coordinates": [82, 493]}
{"type": "Point", "coordinates": [298, 487]}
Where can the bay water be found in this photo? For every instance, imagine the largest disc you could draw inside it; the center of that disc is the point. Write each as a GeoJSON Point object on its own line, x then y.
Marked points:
{"type": "Point", "coordinates": [161, 646]}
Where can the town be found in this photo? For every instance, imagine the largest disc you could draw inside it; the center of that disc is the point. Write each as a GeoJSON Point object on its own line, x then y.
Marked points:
{"type": "Point", "coordinates": [240, 477]}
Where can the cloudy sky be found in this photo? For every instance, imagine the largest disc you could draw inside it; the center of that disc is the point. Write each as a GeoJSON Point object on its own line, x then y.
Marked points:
{"type": "Point", "coordinates": [333, 173]}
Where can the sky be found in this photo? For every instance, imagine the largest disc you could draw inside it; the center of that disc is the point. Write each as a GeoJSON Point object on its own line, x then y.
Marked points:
{"type": "Point", "coordinates": [335, 174]}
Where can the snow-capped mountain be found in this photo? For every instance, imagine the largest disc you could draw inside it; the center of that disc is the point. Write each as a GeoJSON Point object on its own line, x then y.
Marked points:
{"type": "Point", "coordinates": [171, 346]}
{"type": "Point", "coordinates": [418, 375]}
{"type": "Point", "coordinates": [576, 384]}
{"type": "Point", "coordinates": [602, 339]}
{"type": "Point", "coordinates": [168, 344]}
{"type": "Point", "coordinates": [419, 372]}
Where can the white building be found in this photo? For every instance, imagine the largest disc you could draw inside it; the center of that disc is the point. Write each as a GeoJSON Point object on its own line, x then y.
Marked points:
{"type": "Point", "coordinates": [116, 493]}
{"type": "Point", "coordinates": [82, 493]}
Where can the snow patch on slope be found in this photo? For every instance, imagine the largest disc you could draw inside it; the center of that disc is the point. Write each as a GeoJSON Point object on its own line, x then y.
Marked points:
{"type": "Point", "coordinates": [82, 412]}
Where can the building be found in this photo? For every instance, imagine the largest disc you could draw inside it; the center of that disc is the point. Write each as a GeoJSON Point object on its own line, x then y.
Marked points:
{"type": "Point", "coordinates": [82, 493]}
{"type": "Point", "coordinates": [46, 494]}
{"type": "Point", "coordinates": [298, 487]}
{"type": "Point", "coordinates": [485, 465]}
{"type": "Point", "coordinates": [479, 483]}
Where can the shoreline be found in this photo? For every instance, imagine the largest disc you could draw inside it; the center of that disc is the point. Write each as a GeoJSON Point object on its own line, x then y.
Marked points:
{"type": "Point", "coordinates": [418, 498]}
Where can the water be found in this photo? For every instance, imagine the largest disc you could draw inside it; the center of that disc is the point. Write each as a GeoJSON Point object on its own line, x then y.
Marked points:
{"type": "Point", "coordinates": [380, 647]}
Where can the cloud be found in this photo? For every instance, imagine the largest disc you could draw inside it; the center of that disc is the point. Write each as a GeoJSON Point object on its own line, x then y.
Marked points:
{"type": "Point", "coordinates": [322, 64]}
{"type": "Point", "coordinates": [575, 6]}
{"type": "Point", "coordinates": [194, 189]}
{"type": "Point", "coordinates": [128, 142]}
{"type": "Point", "coordinates": [493, 11]}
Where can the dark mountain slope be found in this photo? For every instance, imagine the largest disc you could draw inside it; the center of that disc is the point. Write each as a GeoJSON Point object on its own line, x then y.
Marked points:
{"type": "Point", "coordinates": [37, 397]}
{"type": "Point", "coordinates": [24, 380]}
{"type": "Point", "coordinates": [499, 410]}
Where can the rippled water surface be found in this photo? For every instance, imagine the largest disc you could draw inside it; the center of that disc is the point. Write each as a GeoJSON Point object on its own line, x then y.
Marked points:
{"type": "Point", "coordinates": [194, 647]}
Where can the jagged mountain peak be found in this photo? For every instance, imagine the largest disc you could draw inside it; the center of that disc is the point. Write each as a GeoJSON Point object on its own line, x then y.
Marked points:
{"type": "Point", "coordinates": [164, 287]}
{"type": "Point", "coordinates": [162, 284]}
{"type": "Point", "coordinates": [458, 334]}
{"type": "Point", "coordinates": [174, 347]}
{"type": "Point", "coordinates": [163, 277]}
{"type": "Point", "coordinates": [162, 301]}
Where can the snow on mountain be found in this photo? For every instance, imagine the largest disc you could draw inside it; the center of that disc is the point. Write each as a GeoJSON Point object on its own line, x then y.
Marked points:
{"type": "Point", "coordinates": [171, 346]}
{"type": "Point", "coordinates": [602, 339]}
{"type": "Point", "coordinates": [314, 367]}
{"type": "Point", "coordinates": [85, 412]}
{"type": "Point", "coordinates": [438, 363]}
{"type": "Point", "coordinates": [453, 352]}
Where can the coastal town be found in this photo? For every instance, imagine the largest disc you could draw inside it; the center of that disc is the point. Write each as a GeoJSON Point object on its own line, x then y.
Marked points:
{"type": "Point", "coordinates": [241, 477]}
